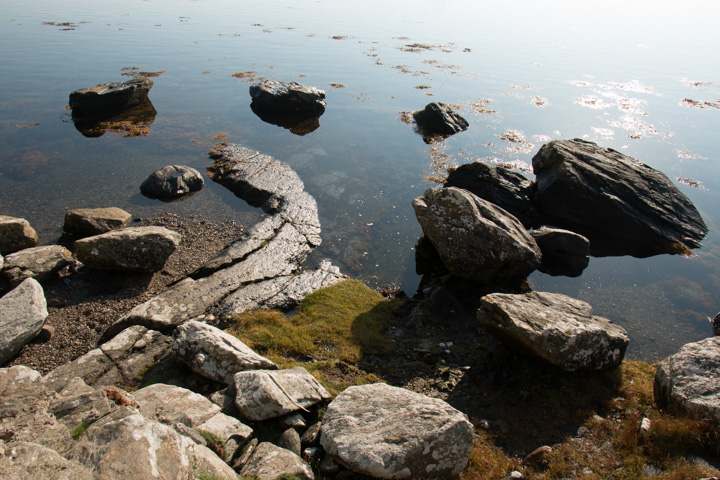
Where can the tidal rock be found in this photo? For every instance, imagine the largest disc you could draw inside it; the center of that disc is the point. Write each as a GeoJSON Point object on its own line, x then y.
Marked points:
{"type": "Point", "coordinates": [22, 314]}
{"type": "Point", "coordinates": [476, 239]}
{"type": "Point", "coordinates": [389, 432]}
{"type": "Point", "coordinates": [16, 234]}
{"type": "Point", "coordinates": [86, 222]}
{"type": "Point", "coordinates": [687, 382]}
{"type": "Point", "coordinates": [269, 462]}
{"type": "Point", "coordinates": [287, 98]}
{"type": "Point", "coordinates": [172, 181]}
{"type": "Point", "coordinates": [29, 461]}
{"type": "Point", "coordinates": [505, 188]}
{"type": "Point", "coordinates": [623, 206]}
{"type": "Point", "coordinates": [108, 99]}
{"type": "Point", "coordinates": [170, 404]}
{"type": "Point", "coordinates": [134, 249]}
{"type": "Point", "coordinates": [265, 394]}
{"type": "Point", "coordinates": [37, 262]}
{"type": "Point", "coordinates": [439, 119]}
{"type": "Point", "coordinates": [214, 354]}
{"type": "Point", "coordinates": [559, 329]}
{"type": "Point", "coordinates": [563, 252]}
{"type": "Point", "coordinates": [133, 122]}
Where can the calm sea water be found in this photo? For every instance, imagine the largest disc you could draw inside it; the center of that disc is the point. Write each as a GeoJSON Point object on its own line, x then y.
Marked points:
{"type": "Point", "coordinates": [639, 77]}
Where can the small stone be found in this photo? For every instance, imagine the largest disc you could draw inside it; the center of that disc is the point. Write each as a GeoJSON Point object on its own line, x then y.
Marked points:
{"type": "Point", "coordinates": [537, 456]}
{"type": "Point", "coordinates": [290, 440]}
{"type": "Point", "coordinates": [47, 332]}
{"type": "Point", "coordinates": [294, 420]}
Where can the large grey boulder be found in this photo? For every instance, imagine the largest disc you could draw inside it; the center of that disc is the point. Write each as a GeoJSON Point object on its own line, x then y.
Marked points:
{"type": "Point", "coordinates": [134, 249]}
{"type": "Point", "coordinates": [265, 394]}
{"type": "Point", "coordinates": [288, 98]}
{"type": "Point", "coordinates": [559, 329]}
{"type": "Point", "coordinates": [108, 99]}
{"type": "Point", "coordinates": [269, 462]}
{"type": "Point", "coordinates": [172, 181]}
{"type": "Point", "coordinates": [16, 234]}
{"type": "Point", "coordinates": [475, 238]}
{"type": "Point", "coordinates": [214, 354]}
{"type": "Point", "coordinates": [37, 262]}
{"type": "Point", "coordinates": [31, 461]}
{"type": "Point", "coordinates": [623, 206]}
{"type": "Point", "coordinates": [687, 382]}
{"type": "Point", "coordinates": [563, 252]}
{"type": "Point", "coordinates": [439, 119]}
{"type": "Point", "coordinates": [390, 432]}
{"type": "Point", "coordinates": [86, 222]}
{"type": "Point", "coordinates": [171, 404]}
{"type": "Point", "coordinates": [22, 314]}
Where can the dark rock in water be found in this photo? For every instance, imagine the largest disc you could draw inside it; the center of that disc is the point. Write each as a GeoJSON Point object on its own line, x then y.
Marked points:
{"type": "Point", "coordinates": [133, 122]}
{"type": "Point", "coordinates": [439, 119]}
{"type": "Point", "coordinates": [172, 181]}
{"type": "Point", "coordinates": [288, 98]}
{"type": "Point", "coordinates": [563, 252]}
{"type": "Point", "coordinates": [108, 99]}
{"type": "Point", "coordinates": [498, 185]}
{"type": "Point", "coordinates": [28, 165]}
{"type": "Point", "coordinates": [298, 124]}
{"type": "Point", "coordinates": [624, 207]}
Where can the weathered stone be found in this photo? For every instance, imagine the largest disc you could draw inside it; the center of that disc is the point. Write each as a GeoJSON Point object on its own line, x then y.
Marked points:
{"type": "Point", "coordinates": [170, 404]}
{"type": "Point", "coordinates": [556, 328]}
{"type": "Point", "coordinates": [22, 314]}
{"type": "Point", "coordinates": [31, 461]}
{"type": "Point", "coordinates": [16, 234]}
{"type": "Point", "coordinates": [687, 382]}
{"type": "Point", "coordinates": [311, 436]}
{"type": "Point", "coordinates": [269, 462]}
{"type": "Point", "coordinates": [134, 249]}
{"type": "Point", "coordinates": [108, 99]}
{"type": "Point", "coordinates": [265, 394]}
{"type": "Point", "coordinates": [474, 238]}
{"type": "Point", "coordinates": [439, 119]}
{"type": "Point", "coordinates": [226, 427]}
{"type": "Point", "coordinates": [242, 458]}
{"type": "Point", "coordinates": [85, 222]}
{"type": "Point", "coordinates": [290, 440]}
{"type": "Point", "coordinates": [217, 355]}
{"type": "Point", "coordinates": [563, 252]}
{"type": "Point", "coordinates": [172, 181]}
{"type": "Point", "coordinates": [293, 420]}
{"type": "Point", "coordinates": [38, 263]}
{"type": "Point", "coordinates": [508, 190]}
{"type": "Point", "coordinates": [208, 465]}
{"type": "Point", "coordinates": [85, 408]}
{"type": "Point", "coordinates": [390, 432]}
{"type": "Point", "coordinates": [623, 206]}
{"type": "Point", "coordinates": [288, 98]}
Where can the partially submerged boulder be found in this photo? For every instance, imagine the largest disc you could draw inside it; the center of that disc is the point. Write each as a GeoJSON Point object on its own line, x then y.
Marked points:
{"type": "Point", "coordinates": [288, 98]}
{"type": "Point", "coordinates": [37, 262]}
{"type": "Point", "coordinates": [22, 314]}
{"type": "Point", "coordinates": [563, 252]}
{"type": "Point", "coordinates": [108, 99]}
{"type": "Point", "coordinates": [172, 181]}
{"type": "Point", "coordinates": [86, 222]}
{"type": "Point", "coordinates": [439, 119]}
{"type": "Point", "coordinates": [16, 234]}
{"type": "Point", "coordinates": [559, 329]}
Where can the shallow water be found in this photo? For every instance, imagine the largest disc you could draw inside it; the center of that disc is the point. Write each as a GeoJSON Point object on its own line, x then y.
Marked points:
{"type": "Point", "coordinates": [639, 78]}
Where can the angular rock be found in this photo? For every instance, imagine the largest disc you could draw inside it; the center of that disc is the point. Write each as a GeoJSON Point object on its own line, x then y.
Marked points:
{"type": "Point", "coordinates": [226, 427]}
{"type": "Point", "coordinates": [508, 190]}
{"type": "Point", "coordinates": [135, 249]}
{"type": "Point", "coordinates": [214, 354]}
{"type": "Point", "coordinates": [16, 234]}
{"type": "Point", "coordinates": [108, 99]}
{"type": "Point", "coordinates": [172, 181]}
{"type": "Point", "coordinates": [559, 329]}
{"type": "Point", "coordinates": [623, 206]}
{"type": "Point", "coordinates": [37, 262]}
{"type": "Point", "coordinates": [31, 461]}
{"type": "Point", "coordinates": [288, 98]}
{"type": "Point", "coordinates": [22, 314]}
{"type": "Point", "coordinates": [268, 462]}
{"type": "Point", "coordinates": [206, 464]}
{"type": "Point", "coordinates": [476, 239]}
{"type": "Point", "coordinates": [439, 119]}
{"type": "Point", "coordinates": [563, 252]}
{"type": "Point", "coordinates": [86, 222]}
{"type": "Point", "coordinates": [73, 410]}
{"type": "Point", "coordinates": [170, 404]}
{"type": "Point", "coordinates": [687, 382]}
{"type": "Point", "coordinates": [265, 394]}
{"type": "Point", "coordinates": [390, 432]}
{"type": "Point", "coordinates": [290, 440]}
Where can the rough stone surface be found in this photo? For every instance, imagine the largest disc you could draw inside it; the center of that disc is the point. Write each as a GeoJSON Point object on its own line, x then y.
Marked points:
{"type": "Point", "coordinates": [287, 97]}
{"type": "Point", "coordinates": [37, 262]}
{"type": "Point", "coordinates": [390, 432]}
{"type": "Point", "coordinates": [269, 462]}
{"type": "Point", "coordinates": [172, 181]}
{"type": "Point", "coordinates": [22, 314]}
{"type": "Point", "coordinates": [623, 206]}
{"type": "Point", "coordinates": [474, 238]}
{"type": "Point", "coordinates": [31, 461]}
{"type": "Point", "coordinates": [134, 249]}
{"type": "Point", "coordinates": [290, 440]}
{"type": "Point", "coordinates": [557, 328]}
{"type": "Point", "coordinates": [687, 383]}
{"type": "Point", "coordinates": [86, 222]}
{"type": "Point", "coordinates": [439, 119]}
{"type": "Point", "coordinates": [170, 404]}
{"type": "Point", "coordinates": [108, 99]}
{"type": "Point", "coordinates": [505, 188]}
{"type": "Point", "coordinates": [563, 252]}
{"type": "Point", "coordinates": [226, 427]}
{"type": "Point", "coordinates": [86, 407]}
{"type": "Point", "coordinates": [16, 234]}
{"type": "Point", "coordinates": [265, 394]}
{"type": "Point", "coordinates": [217, 355]}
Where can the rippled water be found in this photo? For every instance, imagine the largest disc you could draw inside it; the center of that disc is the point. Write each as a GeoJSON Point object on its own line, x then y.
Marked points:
{"type": "Point", "coordinates": [639, 77]}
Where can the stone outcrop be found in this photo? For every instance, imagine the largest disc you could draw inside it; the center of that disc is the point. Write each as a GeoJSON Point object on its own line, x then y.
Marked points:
{"type": "Point", "coordinates": [476, 239]}
{"type": "Point", "coordinates": [108, 99]}
{"type": "Point", "coordinates": [559, 329]}
{"type": "Point", "coordinates": [172, 181]}
{"type": "Point", "coordinates": [563, 252]}
{"type": "Point", "coordinates": [687, 383]}
{"type": "Point", "coordinates": [390, 432]}
{"type": "Point", "coordinates": [37, 262]}
{"type": "Point", "coordinates": [16, 234]}
{"type": "Point", "coordinates": [623, 206]}
{"type": "Point", "coordinates": [86, 222]}
{"type": "Point", "coordinates": [22, 314]}
{"type": "Point", "coordinates": [29, 461]}
{"type": "Point", "coordinates": [134, 249]}
{"type": "Point", "coordinates": [439, 119]}
{"type": "Point", "coordinates": [171, 404]}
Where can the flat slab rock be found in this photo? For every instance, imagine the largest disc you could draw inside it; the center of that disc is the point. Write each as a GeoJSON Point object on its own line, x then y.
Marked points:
{"type": "Point", "coordinates": [171, 404]}
{"type": "Point", "coordinates": [390, 432]}
{"type": "Point", "coordinates": [36, 262]}
{"type": "Point", "coordinates": [106, 99]}
{"type": "Point", "coordinates": [86, 222]}
{"type": "Point", "coordinates": [557, 328]}
{"type": "Point", "coordinates": [22, 314]}
{"type": "Point", "coordinates": [688, 382]}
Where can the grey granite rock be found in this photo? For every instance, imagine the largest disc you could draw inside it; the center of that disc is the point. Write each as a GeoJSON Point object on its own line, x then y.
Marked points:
{"type": "Point", "coordinates": [22, 314]}
{"type": "Point", "coordinates": [38, 262]}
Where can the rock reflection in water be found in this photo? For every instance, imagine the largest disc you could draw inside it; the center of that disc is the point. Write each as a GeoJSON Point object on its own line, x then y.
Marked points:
{"type": "Point", "coordinates": [133, 122]}
{"type": "Point", "coordinates": [298, 124]}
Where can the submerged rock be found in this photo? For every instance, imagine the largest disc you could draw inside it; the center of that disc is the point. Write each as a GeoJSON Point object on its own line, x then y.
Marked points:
{"type": "Point", "coordinates": [133, 122]}
{"type": "Point", "coordinates": [439, 119]}
{"type": "Point", "coordinates": [16, 234]}
{"type": "Point", "coordinates": [172, 181]}
{"type": "Point", "coordinates": [108, 99]}
{"type": "Point", "coordinates": [563, 252]}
